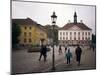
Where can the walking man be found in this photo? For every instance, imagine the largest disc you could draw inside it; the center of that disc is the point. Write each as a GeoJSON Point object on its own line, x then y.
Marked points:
{"type": "Point", "coordinates": [43, 52]}
{"type": "Point", "coordinates": [78, 53]}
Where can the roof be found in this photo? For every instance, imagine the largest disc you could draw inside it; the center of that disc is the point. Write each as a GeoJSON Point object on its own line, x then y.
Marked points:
{"type": "Point", "coordinates": [80, 25]}
{"type": "Point", "coordinates": [26, 21]}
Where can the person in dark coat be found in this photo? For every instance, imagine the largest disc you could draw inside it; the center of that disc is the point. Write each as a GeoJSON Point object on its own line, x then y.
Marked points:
{"type": "Point", "coordinates": [78, 53]}
{"type": "Point", "coordinates": [60, 50]}
{"type": "Point", "coordinates": [65, 48]}
{"type": "Point", "coordinates": [43, 52]}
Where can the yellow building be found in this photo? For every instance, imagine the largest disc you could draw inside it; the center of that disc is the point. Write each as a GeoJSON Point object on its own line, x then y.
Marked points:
{"type": "Point", "coordinates": [31, 32]}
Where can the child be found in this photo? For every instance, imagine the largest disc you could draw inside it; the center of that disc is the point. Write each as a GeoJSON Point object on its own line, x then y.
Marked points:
{"type": "Point", "coordinates": [68, 56]}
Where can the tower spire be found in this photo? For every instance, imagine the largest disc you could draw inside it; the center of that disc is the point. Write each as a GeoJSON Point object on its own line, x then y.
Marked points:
{"type": "Point", "coordinates": [75, 17]}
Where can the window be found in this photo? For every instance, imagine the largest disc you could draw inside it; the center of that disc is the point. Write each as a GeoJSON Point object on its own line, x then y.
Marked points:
{"type": "Point", "coordinates": [29, 27]}
{"type": "Point", "coordinates": [74, 38]}
{"type": "Point", "coordinates": [63, 38]}
{"type": "Point", "coordinates": [66, 38]}
{"type": "Point", "coordinates": [25, 33]}
{"type": "Point", "coordinates": [74, 33]}
{"type": "Point", "coordinates": [70, 38]}
{"type": "Point", "coordinates": [29, 33]}
{"type": "Point", "coordinates": [70, 33]}
{"type": "Point", "coordinates": [85, 33]}
{"type": "Point", "coordinates": [30, 40]}
{"type": "Point", "coordinates": [88, 38]}
{"type": "Point", "coordinates": [60, 38]}
{"type": "Point", "coordinates": [25, 40]}
{"type": "Point", "coordinates": [85, 38]}
{"type": "Point", "coordinates": [82, 38]}
{"type": "Point", "coordinates": [88, 33]}
{"type": "Point", "coordinates": [60, 33]}
{"type": "Point", "coordinates": [66, 33]}
{"type": "Point", "coordinates": [78, 38]}
{"type": "Point", "coordinates": [63, 33]}
{"type": "Point", "coordinates": [25, 27]}
{"type": "Point", "coordinates": [82, 33]}
{"type": "Point", "coordinates": [78, 33]}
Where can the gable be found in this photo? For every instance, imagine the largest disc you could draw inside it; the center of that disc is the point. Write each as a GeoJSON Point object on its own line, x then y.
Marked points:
{"type": "Point", "coordinates": [74, 28]}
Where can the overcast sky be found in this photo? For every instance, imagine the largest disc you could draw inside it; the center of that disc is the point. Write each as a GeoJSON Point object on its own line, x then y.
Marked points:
{"type": "Point", "coordinates": [41, 12]}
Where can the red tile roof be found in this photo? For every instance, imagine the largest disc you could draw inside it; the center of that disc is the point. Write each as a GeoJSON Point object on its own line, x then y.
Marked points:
{"type": "Point", "coordinates": [26, 21]}
{"type": "Point", "coordinates": [80, 25]}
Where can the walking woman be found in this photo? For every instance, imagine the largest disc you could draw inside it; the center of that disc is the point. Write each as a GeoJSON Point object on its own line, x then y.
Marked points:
{"type": "Point", "coordinates": [60, 50]}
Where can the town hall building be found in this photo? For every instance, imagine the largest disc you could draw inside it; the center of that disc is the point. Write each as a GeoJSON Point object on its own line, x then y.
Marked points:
{"type": "Point", "coordinates": [74, 33]}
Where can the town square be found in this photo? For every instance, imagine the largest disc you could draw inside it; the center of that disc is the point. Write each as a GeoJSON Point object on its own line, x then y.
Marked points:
{"type": "Point", "coordinates": [52, 38]}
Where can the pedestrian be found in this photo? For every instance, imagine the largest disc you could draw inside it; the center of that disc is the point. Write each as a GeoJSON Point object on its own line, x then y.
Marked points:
{"type": "Point", "coordinates": [78, 53]}
{"type": "Point", "coordinates": [65, 48]}
{"type": "Point", "coordinates": [43, 52]}
{"type": "Point", "coordinates": [68, 56]}
{"type": "Point", "coordinates": [93, 47]}
{"type": "Point", "coordinates": [60, 50]}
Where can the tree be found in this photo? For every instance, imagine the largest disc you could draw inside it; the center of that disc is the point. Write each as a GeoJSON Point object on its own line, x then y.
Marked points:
{"type": "Point", "coordinates": [15, 34]}
{"type": "Point", "coordinates": [50, 31]}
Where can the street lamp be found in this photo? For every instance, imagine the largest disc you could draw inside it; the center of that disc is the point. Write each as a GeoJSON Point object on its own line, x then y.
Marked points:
{"type": "Point", "coordinates": [53, 19]}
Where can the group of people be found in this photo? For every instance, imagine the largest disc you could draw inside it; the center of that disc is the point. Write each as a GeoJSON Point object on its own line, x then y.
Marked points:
{"type": "Point", "coordinates": [68, 54]}
{"type": "Point", "coordinates": [78, 52]}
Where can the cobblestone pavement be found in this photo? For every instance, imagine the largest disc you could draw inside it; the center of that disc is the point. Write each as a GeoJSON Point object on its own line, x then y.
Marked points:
{"type": "Point", "coordinates": [24, 62]}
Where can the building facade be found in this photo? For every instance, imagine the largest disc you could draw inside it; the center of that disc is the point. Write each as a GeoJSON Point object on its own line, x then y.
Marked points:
{"type": "Point", "coordinates": [75, 33]}
{"type": "Point", "coordinates": [31, 32]}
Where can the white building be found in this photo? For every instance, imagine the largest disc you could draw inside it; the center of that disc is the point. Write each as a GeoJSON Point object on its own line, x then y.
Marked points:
{"type": "Point", "coordinates": [75, 33]}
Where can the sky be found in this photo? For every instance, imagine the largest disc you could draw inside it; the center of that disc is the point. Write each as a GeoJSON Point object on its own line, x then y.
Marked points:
{"type": "Point", "coordinates": [41, 13]}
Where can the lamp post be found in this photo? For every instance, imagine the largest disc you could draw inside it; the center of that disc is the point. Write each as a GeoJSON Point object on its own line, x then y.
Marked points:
{"type": "Point", "coordinates": [53, 19]}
